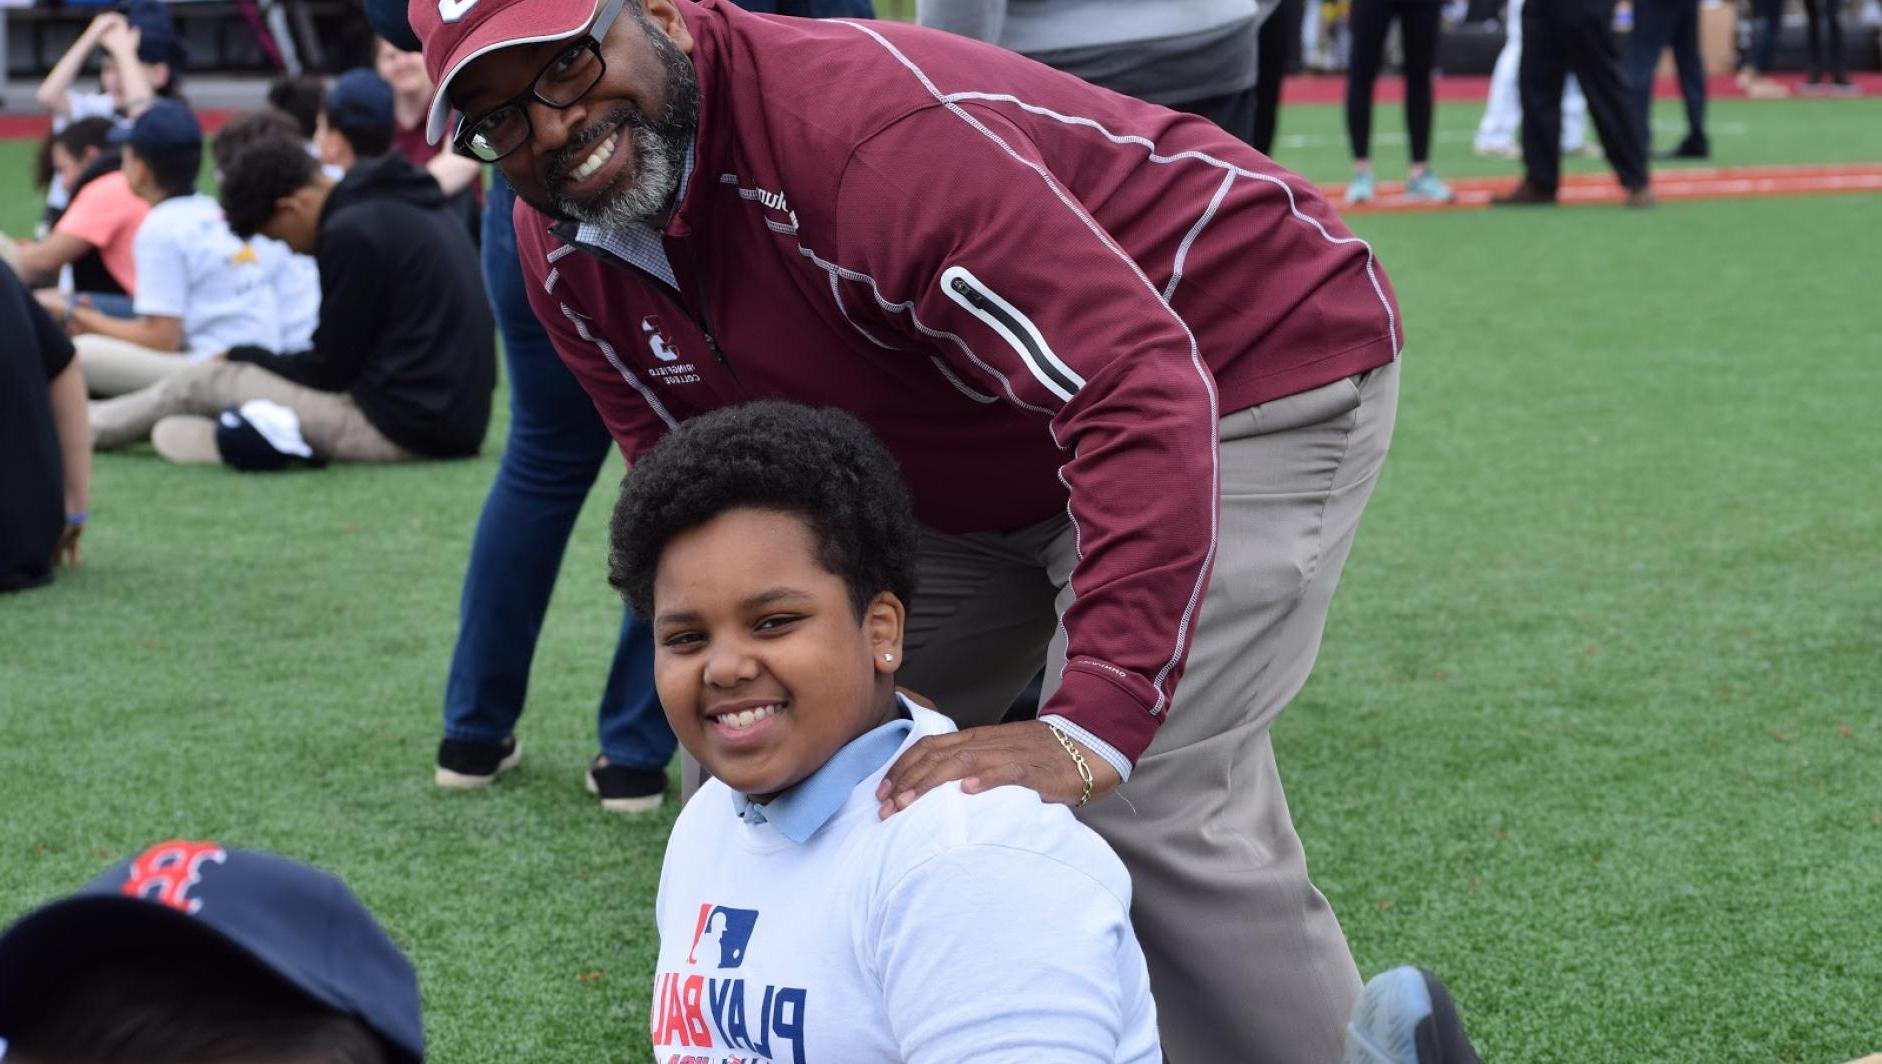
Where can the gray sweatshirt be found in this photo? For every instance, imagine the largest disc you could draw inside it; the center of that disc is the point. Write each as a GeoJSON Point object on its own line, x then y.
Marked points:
{"type": "Point", "coordinates": [1165, 51]}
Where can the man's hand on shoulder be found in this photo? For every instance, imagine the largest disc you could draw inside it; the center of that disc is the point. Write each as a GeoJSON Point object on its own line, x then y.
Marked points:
{"type": "Point", "coordinates": [1026, 753]}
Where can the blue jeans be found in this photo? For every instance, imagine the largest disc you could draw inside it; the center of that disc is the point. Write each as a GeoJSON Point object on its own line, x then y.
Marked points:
{"type": "Point", "coordinates": [116, 304]}
{"type": "Point", "coordinates": [556, 447]}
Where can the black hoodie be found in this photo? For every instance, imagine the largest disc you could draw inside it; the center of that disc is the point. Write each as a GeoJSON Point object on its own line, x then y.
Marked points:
{"type": "Point", "coordinates": [404, 325]}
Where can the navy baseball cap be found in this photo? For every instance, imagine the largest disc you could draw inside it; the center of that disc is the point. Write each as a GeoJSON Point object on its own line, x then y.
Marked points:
{"type": "Point", "coordinates": [261, 436]}
{"type": "Point", "coordinates": [157, 41]}
{"type": "Point", "coordinates": [297, 922]}
{"type": "Point", "coordinates": [167, 126]}
{"type": "Point", "coordinates": [359, 98]}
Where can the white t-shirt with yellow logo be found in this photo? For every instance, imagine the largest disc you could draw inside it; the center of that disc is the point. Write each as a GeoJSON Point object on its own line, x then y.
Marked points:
{"type": "Point", "coordinates": [190, 266]}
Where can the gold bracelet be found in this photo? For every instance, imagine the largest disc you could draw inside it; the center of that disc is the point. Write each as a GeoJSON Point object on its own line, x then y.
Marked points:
{"type": "Point", "coordinates": [1084, 769]}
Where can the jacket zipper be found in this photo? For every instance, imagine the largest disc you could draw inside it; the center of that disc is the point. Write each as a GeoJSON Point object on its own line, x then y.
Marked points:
{"type": "Point", "coordinates": [673, 296]}
{"type": "Point", "coordinates": [1018, 331]}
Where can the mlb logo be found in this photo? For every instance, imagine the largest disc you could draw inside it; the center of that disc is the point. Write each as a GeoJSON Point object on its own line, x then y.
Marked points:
{"type": "Point", "coordinates": [721, 935]}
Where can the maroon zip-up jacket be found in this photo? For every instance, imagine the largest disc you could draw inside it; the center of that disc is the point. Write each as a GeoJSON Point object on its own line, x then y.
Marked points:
{"type": "Point", "coordinates": [1041, 295]}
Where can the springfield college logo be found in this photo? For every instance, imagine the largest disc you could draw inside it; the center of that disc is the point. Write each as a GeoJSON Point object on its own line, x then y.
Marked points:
{"type": "Point", "coordinates": [166, 872]}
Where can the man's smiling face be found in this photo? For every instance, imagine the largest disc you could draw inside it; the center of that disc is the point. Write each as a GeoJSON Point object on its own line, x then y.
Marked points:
{"type": "Point", "coordinates": [614, 156]}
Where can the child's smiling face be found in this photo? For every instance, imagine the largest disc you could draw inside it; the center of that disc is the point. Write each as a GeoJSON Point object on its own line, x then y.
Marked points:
{"type": "Point", "coordinates": [762, 664]}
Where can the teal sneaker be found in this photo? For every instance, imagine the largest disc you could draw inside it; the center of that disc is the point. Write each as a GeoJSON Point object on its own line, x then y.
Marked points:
{"type": "Point", "coordinates": [1426, 188]}
{"type": "Point", "coordinates": [1359, 190]}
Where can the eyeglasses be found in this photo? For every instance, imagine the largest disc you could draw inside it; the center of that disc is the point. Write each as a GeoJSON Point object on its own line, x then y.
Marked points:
{"type": "Point", "coordinates": [568, 77]}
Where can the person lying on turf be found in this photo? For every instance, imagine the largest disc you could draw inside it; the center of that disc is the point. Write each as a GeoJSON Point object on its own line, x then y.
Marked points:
{"type": "Point", "coordinates": [773, 548]}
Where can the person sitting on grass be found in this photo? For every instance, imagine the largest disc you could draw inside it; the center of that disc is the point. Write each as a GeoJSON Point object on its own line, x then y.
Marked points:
{"type": "Point", "coordinates": [403, 361]}
{"type": "Point", "coordinates": [73, 158]}
{"type": "Point", "coordinates": [94, 230]}
{"type": "Point", "coordinates": [296, 277]}
{"type": "Point", "coordinates": [197, 953]}
{"type": "Point", "coordinates": [45, 444]}
{"type": "Point", "coordinates": [355, 119]}
{"type": "Point", "coordinates": [201, 290]}
{"type": "Point", "coordinates": [773, 547]}
{"type": "Point", "coordinates": [141, 60]}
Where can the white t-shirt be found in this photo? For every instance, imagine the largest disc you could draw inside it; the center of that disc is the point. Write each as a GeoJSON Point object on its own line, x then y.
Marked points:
{"type": "Point", "coordinates": [295, 279]}
{"type": "Point", "coordinates": [190, 266]}
{"type": "Point", "coordinates": [987, 928]}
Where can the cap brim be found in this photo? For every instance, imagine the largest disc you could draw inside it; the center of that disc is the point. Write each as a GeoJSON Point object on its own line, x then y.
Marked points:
{"type": "Point", "coordinates": [70, 933]}
{"type": "Point", "coordinates": [513, 25]}
{"type": "Point", "coordinates": [62, 938]}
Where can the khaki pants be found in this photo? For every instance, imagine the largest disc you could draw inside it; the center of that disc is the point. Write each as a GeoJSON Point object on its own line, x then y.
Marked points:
{"type": "Point", "coordinates": [1247, 961]}
{"type": "Point", "coordinates": [330, 421]}
{"type": "Point", "coordinates": [116, 367]}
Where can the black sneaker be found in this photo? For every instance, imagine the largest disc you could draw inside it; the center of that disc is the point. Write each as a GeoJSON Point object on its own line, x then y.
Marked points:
{"type": "Point", "coordinates": [1406, 1016]}
{"type": "Point", "coordinates": [466, 766]}
{"type": "Point", "coordinates": [626, 790]}
{"type": "Point", "coordinates": [1690, 148]}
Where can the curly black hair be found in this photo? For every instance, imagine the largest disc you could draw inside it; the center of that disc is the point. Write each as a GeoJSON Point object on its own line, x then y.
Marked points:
{"type": "Point", "coordinates": [248, 128]}
{"type": "Point", "coordinates": [260, 175]}
{"type": "Point", "coordinates": [820, 464]}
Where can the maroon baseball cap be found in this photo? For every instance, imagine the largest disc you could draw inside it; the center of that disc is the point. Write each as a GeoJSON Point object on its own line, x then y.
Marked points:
{"type": "Point", "coordinates": [454, 32]}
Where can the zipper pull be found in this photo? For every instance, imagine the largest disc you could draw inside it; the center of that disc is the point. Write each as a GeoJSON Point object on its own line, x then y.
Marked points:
{"type": "Point", "coordinates": [971, 294]}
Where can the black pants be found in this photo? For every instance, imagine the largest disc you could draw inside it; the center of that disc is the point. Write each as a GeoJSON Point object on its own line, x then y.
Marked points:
{"type": "Point", "coordinates": [1233, 111]}
{"type": "Point", "coordinates": [1563, 37]}
{"type": "Point", "coordinates": [1280, 35]}
{"type": "Point", "coordinates": [1818, 11]}
{"type": "Point", "coordinates": [1418, 30]}
{"type": "Point", "coordinates": [1657, 24]}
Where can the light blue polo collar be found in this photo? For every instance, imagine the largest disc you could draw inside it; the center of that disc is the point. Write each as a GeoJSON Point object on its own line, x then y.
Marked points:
{"type": "Point", "coordinates": [801, 811]}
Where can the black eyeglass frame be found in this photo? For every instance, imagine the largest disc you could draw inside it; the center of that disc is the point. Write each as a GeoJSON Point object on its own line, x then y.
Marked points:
{"type": "Point", "coordinates": [460, 142]}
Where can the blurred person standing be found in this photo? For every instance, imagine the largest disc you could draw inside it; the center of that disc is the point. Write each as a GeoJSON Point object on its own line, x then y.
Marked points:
{"type": "Point", "coordinates": [1503, 111]}
{"type": "Point", "coordinates": [1276, 45]}
{"type": "Point", "coordinates": [1767, 21]}
{"type": "Point", "coordinates": [1188, 55]}
{"type": "Point", "coordinates": [1657, 25]}
{"type": "Point", "coordinates": [45, 442]}
{"type": "Point", "coordinates": [460, 178]}
{"type": "Point", "coordinates": [1561, 37]}
{"type": "Point", "coordinates": [1419, 23]}
{"type": "Point", "coordinates": [554, 451]}
{"type": "Point", "coordinates": [1826, 51]}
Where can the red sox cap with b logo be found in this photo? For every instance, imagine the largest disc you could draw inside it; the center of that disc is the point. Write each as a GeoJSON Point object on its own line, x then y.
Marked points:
{"type": "Point", "coordinates": [454, 32]}
{"type": "Point", "coordinates": [297, 922]}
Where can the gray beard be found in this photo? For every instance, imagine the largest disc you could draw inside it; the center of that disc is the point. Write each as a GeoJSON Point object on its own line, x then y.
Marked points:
{"type": "Point", "coordinates": [656, 179]}
{"type": "Point", "coordinates": [660, 145]}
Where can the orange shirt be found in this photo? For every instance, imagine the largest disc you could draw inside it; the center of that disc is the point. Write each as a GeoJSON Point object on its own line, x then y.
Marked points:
{"type": "Point", "coordinates": [106, 214]}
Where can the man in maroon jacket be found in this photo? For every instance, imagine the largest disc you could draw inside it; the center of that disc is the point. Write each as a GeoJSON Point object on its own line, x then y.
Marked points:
{"type": "Point", "coordinates": [1140, 380]}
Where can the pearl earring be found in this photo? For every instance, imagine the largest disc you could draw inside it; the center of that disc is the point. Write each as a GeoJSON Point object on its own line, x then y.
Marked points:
{"type": "Point", "coordinates": [888, 657]}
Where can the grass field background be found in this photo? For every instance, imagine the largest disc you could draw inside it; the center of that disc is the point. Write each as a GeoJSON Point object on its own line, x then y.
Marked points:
{"type": "Point", "coordinates": [1596, 733]}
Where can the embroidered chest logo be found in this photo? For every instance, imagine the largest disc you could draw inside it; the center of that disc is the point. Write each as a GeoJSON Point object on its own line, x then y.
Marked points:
{"type": "Point", "coordinates": [657, 341]}
{"type": "Point", "coordinates": [166, 872]}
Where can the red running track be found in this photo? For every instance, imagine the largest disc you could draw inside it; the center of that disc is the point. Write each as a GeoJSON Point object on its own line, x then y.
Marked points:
{"type": "Point", "coordinates": [1734, 182]}
{"type": "Point", "coordinates": [1300, 88]}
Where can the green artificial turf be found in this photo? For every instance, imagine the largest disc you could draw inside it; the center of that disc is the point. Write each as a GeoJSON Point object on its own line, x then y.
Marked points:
{"type": "Point", "coordinates": [1596, 732]}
